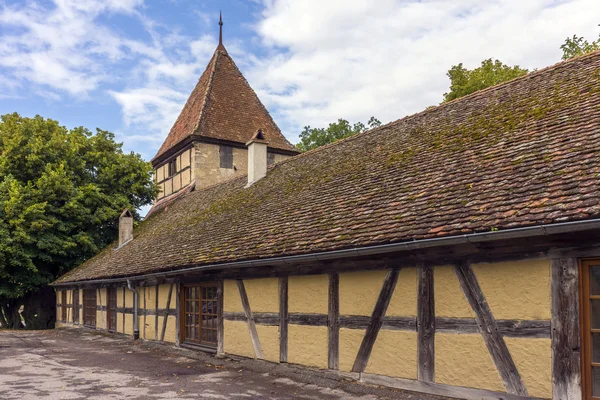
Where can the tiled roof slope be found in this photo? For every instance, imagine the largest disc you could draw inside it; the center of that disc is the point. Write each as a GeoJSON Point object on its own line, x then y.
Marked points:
{"type": "Point", "coordinates": [224, 106]}
{"type": "Point", "coordinates": [519, 154]}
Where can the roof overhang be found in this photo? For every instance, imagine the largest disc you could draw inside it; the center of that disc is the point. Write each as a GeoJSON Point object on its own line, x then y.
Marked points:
{"type": "Point", "coordinates": [188, 141]}
{"type": "Point", "coordinates": [377, 250]}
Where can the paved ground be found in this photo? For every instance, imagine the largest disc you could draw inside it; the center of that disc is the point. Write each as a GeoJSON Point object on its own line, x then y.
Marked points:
{"type": "Point", "coordinates": [64, 364]}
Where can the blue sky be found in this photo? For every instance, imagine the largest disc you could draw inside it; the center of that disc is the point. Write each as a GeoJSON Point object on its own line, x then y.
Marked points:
{"type": "Point", "coordinates": [128, 65]}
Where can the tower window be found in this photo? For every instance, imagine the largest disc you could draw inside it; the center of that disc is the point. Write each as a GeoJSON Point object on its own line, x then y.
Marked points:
{"type": "Point", "coordinates": [226, 156]}
{"type": "Point", "coordinates": [172, 167]}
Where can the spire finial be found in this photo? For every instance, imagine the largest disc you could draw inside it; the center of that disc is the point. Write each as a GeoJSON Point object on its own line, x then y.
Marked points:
{"type": "Point", "coordinates": [220, 29]}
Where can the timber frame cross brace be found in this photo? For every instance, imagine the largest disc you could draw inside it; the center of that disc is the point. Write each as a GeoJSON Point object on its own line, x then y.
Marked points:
{"type": "Point", "coordinates": [564, 325]}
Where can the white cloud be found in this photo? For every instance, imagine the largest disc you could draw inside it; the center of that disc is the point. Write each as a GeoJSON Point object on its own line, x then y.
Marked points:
{"type": "Point", "coordinates": [62, 46]}
{"type": "Point", "coordinates": [318, 60]}
{"type": "Point", "coordinates": [354, 59]}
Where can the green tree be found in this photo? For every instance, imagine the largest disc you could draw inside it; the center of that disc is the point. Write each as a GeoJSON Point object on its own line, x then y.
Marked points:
{"type": "Point", "coordinates": [61, 193]}
{"type": "Point", "coordinates": [311, 138]}
{"type": "Point", "coordinates": [577, 46]}
{"type": "Point", "coordinates": [491, 72]}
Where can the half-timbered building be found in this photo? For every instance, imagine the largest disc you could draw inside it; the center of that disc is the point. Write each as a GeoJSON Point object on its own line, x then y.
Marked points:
{"type": "Point", "coordinates": [455, 251]}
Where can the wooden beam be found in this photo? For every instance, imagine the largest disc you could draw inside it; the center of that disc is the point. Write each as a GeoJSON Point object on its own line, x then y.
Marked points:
{"type": "Point", "coordinates": [156, 311]}
{"type": "Point", "coordinates": [507, 327]}
{"type": "Point", "coordinates": [250, 320]}
{"type": "Point", "coordinates": [438, 389]}
{"type": "Point", "coordinates": [489, 330]}
{"type": "Point", "coordinates": [566, 367]}
{"type": "Point", "coordinates": [333, 322]}
{"type": "Point", "coordinates": [179, 317]}
{"type": "Point", "coordinates": [389, 323]}
{"type": "Point", "coordinates": [145, 312]}
{"type": "Point", "coordinates": [426, 325]}
{"type": "Point", "coordinates": [283, 319]}
{"type": "Point", "coordinates": [389, 283]}
{"type": "Point", "coordinates": [166, 317]}
{"type": "Point", "coordinates": [220, 325]}
{"type": "Point", "coordinates": [122, 313]}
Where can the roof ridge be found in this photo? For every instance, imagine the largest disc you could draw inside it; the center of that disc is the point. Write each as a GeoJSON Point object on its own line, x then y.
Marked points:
{"type": "Point", "coordinates": [529, 75]}
{"type": "Point", "coordinates": [208, 89]}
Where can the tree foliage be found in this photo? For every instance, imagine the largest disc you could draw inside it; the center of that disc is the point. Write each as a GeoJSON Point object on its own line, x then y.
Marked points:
{"type": "Point", "coordinates": [577, 46]}
{"type": "Point", "coordinates": [491, 72]}
{"type": "Point", "coordinates": [61, 193]}
{"type": "Point", "coordinates": [311, 138]}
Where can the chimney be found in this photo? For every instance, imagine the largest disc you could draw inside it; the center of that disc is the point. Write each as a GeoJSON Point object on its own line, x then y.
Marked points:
{"type": "Point", "coordinates": [257, 158]}
{"type": "Point", "coordinates": [125, 227]}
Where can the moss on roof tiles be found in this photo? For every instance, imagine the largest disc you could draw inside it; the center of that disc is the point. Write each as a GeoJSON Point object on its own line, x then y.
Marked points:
{"type": "Point", "coordinates": [515, 155]}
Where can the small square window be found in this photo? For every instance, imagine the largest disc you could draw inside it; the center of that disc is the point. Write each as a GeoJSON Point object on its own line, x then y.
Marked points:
{"type": "Point", "coordinates": [226, 156]}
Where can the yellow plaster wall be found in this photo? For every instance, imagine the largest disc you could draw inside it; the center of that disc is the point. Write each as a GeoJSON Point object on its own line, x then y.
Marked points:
{"type": "Point", "coordinates": [350, 340]}
{"type": "Point", "coordinates": [269, 341]}
{"type": "Point", "coordinates": [151, 297]}
{"type": "Point", "coordinates": [308, 294]}
{"type": "Point", "coordinates": [359, 291]}
{"type": "Point", "coordinates": [231, 297]}
{"type": "Point", "coordinates": [119, 291]}
{"type": "Point", "coordinates": [263, 295]}
{"type": "Point", "coordinates": [464, 360]}
{"type": "Point", "coordinates": [307, 345]}
{"type": "Point", "coordinates": [516, 290]}
{"type": "Point", "coordinates": [237, 339]}
{"type": "Point", "coordinates": [448, 296]}
{"type": "Point", "coordinates": [171, 329]}
{"type": "Point", "coordinates": [149, 328]}
{"type": "Point", "coordinates": [533, 358]}
{"type": "Point", "coordinates": [128, 298]}
{"type": "Point", "coordinates": [128, 324]}
{"type": "Point", "coordinates": [163, 296]}
{"type": "Point", "coordinates": [404, 300]}
{"type": "Point", "coordinates": [120, 327]}
{"type": "Point", "coordinates": [394, 354]}
{"type": "Point", "coordinates": [101, 316]}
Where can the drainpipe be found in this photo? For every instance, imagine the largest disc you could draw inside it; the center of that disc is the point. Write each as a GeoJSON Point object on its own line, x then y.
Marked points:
{"type": "Point", "coordinates": [136, 328]}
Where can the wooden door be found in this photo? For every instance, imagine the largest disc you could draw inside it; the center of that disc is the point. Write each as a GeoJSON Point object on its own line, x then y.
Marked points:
{"type": "Point", "coordinates": [590, 324]}
{"type": "Point", "coordinates": [199, 322]}
{"type": "Point", "coordinates": [89, 307]}
{"type": "Point", "coordinates": [111, 308]}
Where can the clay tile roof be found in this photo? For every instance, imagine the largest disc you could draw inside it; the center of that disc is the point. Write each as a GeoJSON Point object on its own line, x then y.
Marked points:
{"type": "Point", "coordinates": [523, 153]}
{"type": "Point", "coordinates": [224, 106]}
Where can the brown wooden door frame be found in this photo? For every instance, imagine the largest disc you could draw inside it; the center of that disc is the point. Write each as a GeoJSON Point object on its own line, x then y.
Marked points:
{"type": "Point", "coordinates": [585, 323]}
{"type": "Point", "coordinates": [89, 311]}
{"type": "Point", "coordinates": [111, 308]}
{"type": "Point", "coordinates": [75, 306]}
{"type": "Point", "coordinates": [182, 311]}
{"type": "Point", "coordinates": [63, 305]}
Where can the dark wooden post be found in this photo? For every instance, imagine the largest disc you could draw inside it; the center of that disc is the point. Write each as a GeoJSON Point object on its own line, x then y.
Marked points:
{"type": "Point", "coordinates": [156, 312]}
{"type": "Point", "coordinates": [566, 350]}
{"type": "Point", "coordinates": [333, 322]}
{"type": "Point", "coordinates": [220, 324]}
{"type": "Point", "coordinates": [283, 319]}
{"type": "Point", "coordinates": [426, 325]}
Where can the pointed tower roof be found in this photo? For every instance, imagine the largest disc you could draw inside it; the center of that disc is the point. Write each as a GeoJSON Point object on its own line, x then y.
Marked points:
{"type": "Point", "coordinates": [223, 106]}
